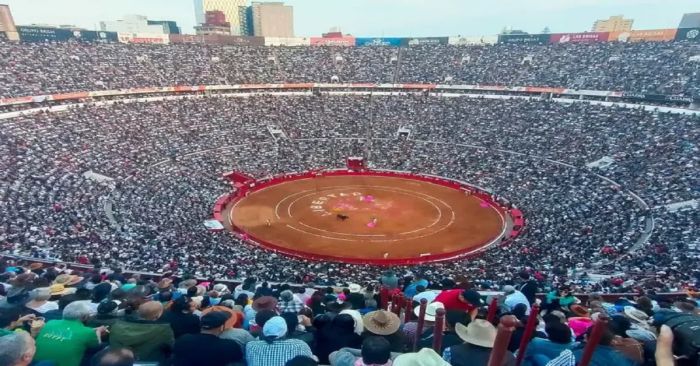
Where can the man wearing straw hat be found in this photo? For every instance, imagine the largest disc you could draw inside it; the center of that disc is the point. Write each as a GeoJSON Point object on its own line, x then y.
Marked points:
{"type": "Point", "coordinates": [479, 337]}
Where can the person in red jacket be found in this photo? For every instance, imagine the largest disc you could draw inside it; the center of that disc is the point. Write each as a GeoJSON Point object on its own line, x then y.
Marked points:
{"type": "Point", "coordinates": [459, 299]}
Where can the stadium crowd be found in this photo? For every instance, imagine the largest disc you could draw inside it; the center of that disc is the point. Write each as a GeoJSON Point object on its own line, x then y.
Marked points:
{"type": "Point", "coordinates": [125, 186]}
{"type": "Point", "coordinates": [638, 67]}
{"type": "Point", "coordinates": [53, 315]}
{"type": "Point", "coordinates": [154, 172]}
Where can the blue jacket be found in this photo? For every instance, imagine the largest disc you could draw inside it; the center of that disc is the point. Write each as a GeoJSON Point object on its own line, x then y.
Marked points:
{"type": "Point", "coordinates": [605, 356]}
{"type": "Point", "coordinates": [540, 351]}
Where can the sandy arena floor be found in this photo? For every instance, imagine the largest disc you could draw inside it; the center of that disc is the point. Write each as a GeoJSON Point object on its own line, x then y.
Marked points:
{"type": "Point", "coordinates": [389, 218]}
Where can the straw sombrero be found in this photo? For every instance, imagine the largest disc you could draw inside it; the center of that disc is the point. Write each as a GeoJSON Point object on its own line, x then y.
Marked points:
{"type": "Point", "coordinates": [381, 322]}
{"type": "Point", "coordinates": [479, 333]}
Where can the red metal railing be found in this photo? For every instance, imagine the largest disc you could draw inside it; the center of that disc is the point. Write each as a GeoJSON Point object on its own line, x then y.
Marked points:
{"type": "Point", "coordinates": [594, 339]}
{"type": "Point", "coordinates": [500, 345]}
{"type": "Point", "coordinates": [527, 333]}
{"type": "Point", "coordinates": [420, 322]}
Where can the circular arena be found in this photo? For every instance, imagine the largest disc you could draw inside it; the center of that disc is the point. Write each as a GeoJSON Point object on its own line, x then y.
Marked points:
{"type": "Point", "coordinates": [105, 168]}
{"type": "Point", "coordinates": [372, 217]}
{"type": "Point", "coordinates": [515, 199]}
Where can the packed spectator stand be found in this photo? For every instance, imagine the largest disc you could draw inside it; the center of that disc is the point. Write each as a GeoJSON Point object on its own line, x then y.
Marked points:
{"type": "Point", "coordinates": [156, 170]}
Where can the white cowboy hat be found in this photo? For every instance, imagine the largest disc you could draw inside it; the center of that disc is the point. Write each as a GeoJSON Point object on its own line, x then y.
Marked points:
{"type": "Point", "coordinates": [425, 357]}
{"type": "Point", "coordinates": [479, 333]}
{"type": "Point", "coordinates": [430, 310]}
{"type": "Point", "coordinates": [354, 288]}
{"type": "Point", "coordinates": [636, 315]}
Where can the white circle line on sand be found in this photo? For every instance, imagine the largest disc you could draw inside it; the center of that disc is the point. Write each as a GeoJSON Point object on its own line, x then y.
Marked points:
{"type": "Point", "coordinates": [277, 206]}
{"type": "Point", "coordinates": [320, 236]}
{"type": "Point", "coordinates": [452, 220]}
{"type": "Point", "coordinates": [381, 188]}
{"type": "Point", "coordinates": [337, 233]}
{"type": "Point", "coordinates": [459, 255]}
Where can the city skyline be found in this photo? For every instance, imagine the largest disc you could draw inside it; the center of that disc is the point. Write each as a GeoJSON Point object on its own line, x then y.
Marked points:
{"type": "Point", "coordinates": [381, 17]}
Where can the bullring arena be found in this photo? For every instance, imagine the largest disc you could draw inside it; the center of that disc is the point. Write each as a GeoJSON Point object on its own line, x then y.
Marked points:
{"type": "Point", "coordinates": [369, 217]}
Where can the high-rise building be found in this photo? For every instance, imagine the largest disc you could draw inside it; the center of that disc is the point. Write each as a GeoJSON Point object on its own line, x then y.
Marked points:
{"type": "Point", "coordinates": [230, 8]}
{"type": "Point", "coordinates": [7, 23]}
{"type": "Point", "coordinates": [169, 26]}
{"type": "Point", "coordinates": [214, 23]}
{"type": "Point", "coordinates": [138, 24]}
{"type": "Point", "coordinates": [272, 19]}
{"type": "Point", "coordinates": [245, 14]}
{"type": "Point", "coordinates": [690, 20]}
{"type": "Point", "coordinates": [615, 23]}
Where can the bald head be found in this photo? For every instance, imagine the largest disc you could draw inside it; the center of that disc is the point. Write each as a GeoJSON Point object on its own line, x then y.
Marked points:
{"type": "Point", "coordinates": [150, 310]}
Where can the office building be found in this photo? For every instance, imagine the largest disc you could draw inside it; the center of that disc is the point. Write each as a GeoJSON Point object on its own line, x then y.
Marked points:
{"type": "Point", "coordinates": [230, 8]}
{"type": "Point", "coordinates": [690, 20]}
{"type": "Point", "coordinates": [7, 23]}
{"type": "Point", "coordinates": [272, 19]}
{"type": "Point", "coordinates": [214, 23]}
{"type": "Point", "coordinates": [613, 24]}
{"type": "Point", "coordinates": [139, 24]}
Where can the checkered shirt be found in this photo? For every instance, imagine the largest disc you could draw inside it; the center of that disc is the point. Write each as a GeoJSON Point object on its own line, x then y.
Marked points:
{"type": "Point", "coordinates": [277, 353]}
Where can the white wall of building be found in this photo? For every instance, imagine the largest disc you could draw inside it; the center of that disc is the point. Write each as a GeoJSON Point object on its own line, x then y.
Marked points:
{"type": "Point", "coordinates": [132, 24]}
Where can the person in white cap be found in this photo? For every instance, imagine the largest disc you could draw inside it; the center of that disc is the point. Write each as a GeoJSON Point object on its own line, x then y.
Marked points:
{"type": "Point", "coordinates": [273, 348]}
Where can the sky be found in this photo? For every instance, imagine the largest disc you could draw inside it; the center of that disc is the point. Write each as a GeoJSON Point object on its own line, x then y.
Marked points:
{"type": "Point", "coordinates": [416, 18]}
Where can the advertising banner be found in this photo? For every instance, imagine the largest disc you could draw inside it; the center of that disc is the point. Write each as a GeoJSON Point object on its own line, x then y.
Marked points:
{"type": "Point", "coordinates": [523, 38]}
{"type": "Point", "coordinates": [658, 97]}
{"type": "Point", "coordinates": [333, 41]}
{"type": "Point", "coordinates": [472, 40]}
{"type": "Point", "coordinates": [41, 34]}
{"type": "Point", "coordinates": [684, 34]}
{"type": "Point", "coordinates": [143, 38]}
{"type": "Point", "coordinates": [585, 37]}
{"type": "Point", "coordinates": [651, 35]}
{"type": "Point", "coordinates": [223, 39]}
{"type": "Point", "coordinates": [379, 41]}
{"type": "Point", "coordinates": [423, 41]}
{"type": "Point", "coordinates": [186, 38]}
{"type": "Point", "coordinates": [287, 41]}
{"type": "Point", "coordinates": [95, 36]}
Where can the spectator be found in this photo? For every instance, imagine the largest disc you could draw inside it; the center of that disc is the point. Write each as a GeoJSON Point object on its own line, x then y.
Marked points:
{"type": "Point", "coordinates": [375, 351]}
{"type": "Point", "coordinates": [151, 340]}
{"type": "Point", "coordinates": [426, 356]}
{"type": "Point", "coordinates": [288, 303]}
{"type": "Point", "coordinates": [478, 338]}
{"type": "Point", "coordinates": [387, 325]}
{"type": "Point", "coordinates": [180, 317]}
{"type": "Point", "coordinates": [17, 349]}
{"type": "Point", "coordinates": [449, 337]}
{"type": "Point", "coordinates": [528, 287]}
{"type": "Point", "coordinates": [514, 297]}
{"type": "Point", "coordinates": [65, 341]}
{"type": "Point", "coordinates": [458, 299]}
{"type": "Point", "coordinates": [113, 357]}
{"type": "Point", "coordinates": [604, 353]}
{"type": "Point", "coordinates": [40, 300]}
{"type": "Point", "coordinates": [411, 328]}
{"type": "Point", "coordinates": [540, 350]}
{"type": "Point", "coordinates": [340, 333]}
{"type": "Point", "coordinates": [206, 348]}
{"type": "Point", "coordinates": [274, 349]}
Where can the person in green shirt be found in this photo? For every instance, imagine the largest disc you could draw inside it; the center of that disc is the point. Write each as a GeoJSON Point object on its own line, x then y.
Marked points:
{"type": "Point", "coordinates": [64, 341]}
{"type": "Point", "coordinates": [559, 298]}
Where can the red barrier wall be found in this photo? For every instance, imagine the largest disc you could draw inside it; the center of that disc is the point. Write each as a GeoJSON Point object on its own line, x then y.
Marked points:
{"type": "Point", "coordinates": [222, 203]}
